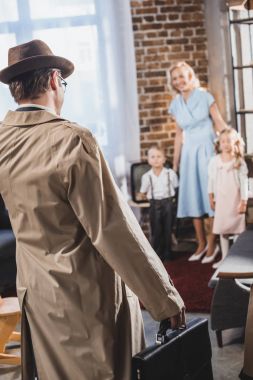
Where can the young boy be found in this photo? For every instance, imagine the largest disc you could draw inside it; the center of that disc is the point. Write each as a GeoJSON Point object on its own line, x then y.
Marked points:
{"type": "Point", "coordinates": [159, 185]}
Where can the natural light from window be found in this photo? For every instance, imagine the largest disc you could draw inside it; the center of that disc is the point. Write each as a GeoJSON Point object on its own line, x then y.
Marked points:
{"type": "Point", "coordinates": [71, 30]}
{"type": "Point", "coordinates": [96, 35]}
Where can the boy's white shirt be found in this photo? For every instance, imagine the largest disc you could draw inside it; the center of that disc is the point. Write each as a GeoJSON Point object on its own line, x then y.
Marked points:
{"type": "Point", "coordinates": [241, 176]}
{"type": "Point", "coordinates": [160, 184]}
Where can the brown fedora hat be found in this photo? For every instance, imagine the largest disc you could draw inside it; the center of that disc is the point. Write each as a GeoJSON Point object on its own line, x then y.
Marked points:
{"type": "Point", "coordinates": [30, 56]}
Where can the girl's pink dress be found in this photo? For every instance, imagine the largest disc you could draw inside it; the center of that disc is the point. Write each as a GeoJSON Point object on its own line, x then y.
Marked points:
{"type": "Point", "coordinates": [227, 220]}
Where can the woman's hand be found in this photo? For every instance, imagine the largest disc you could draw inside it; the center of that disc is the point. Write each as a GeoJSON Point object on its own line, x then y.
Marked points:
{"type": "Point", "coordinates": [242, 208]}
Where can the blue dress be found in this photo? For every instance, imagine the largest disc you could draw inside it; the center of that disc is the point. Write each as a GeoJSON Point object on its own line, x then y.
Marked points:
{"type": "Point", "coordinates": [198, 147]}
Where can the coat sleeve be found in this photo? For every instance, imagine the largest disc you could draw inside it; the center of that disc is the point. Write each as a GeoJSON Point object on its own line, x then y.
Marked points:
{"type": "Point", "coordinates": [243, 180]}
{"type": "Point", "coordinates": [114, 230]}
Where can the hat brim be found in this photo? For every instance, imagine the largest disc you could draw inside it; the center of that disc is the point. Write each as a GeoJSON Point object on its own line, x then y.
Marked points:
{"type": "Point", "coordinates": [34, 63]}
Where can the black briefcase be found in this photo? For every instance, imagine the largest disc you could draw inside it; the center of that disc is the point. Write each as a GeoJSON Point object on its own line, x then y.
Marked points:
{"type": "Point", "coordinates": [177, 355]}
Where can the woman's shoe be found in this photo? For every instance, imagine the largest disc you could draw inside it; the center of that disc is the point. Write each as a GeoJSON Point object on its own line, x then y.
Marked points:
{"type": "Point", "coordinates": [197, 257]}
{"type": "Point", "coordinates": [210, 259]}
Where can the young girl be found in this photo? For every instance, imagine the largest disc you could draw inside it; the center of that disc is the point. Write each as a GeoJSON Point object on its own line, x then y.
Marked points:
{"type": "Point", "coordinates": [228, 187]}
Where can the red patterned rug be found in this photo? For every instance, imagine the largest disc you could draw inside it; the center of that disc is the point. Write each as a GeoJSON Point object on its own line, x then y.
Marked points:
{"type": "Point", "coordinates": [191, 280]}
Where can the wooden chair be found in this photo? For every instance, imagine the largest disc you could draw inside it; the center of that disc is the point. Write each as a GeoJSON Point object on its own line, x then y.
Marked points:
{"type": "Point", "coordinates": [244, 272]}
{"type": "Point", "coordinates": [232, 282]}
{"type": "Point", "coordinates": [9, 317]}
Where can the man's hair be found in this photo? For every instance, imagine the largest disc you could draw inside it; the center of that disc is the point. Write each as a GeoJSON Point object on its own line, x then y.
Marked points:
{"type": "Point", "coordinates": [30, 85]}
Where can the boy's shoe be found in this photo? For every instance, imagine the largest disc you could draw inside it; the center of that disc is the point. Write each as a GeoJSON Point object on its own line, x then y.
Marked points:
{"type": "Point", "coordinates": [174, 240]}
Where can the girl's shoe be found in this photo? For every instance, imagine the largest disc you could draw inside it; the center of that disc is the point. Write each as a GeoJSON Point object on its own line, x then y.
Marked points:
{"type": "Point", "coordinates": [197, 257]}
{"type": "Point", "coordinates": [210, 259]}
{"type": "Point", "coordinates": [217, 264]}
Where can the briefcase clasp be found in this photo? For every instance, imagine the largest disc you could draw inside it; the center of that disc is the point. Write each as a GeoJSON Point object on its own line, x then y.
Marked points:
{"type": "Point", "coordinates": [160, 339]}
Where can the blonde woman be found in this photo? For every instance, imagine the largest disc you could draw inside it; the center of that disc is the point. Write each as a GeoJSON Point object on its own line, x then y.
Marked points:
{"type": "Point", "coordinates": [197, 117]}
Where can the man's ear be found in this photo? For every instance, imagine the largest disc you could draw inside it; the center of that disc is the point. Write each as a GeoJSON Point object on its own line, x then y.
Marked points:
{"type": "Point", "coordinates": [54, 81]}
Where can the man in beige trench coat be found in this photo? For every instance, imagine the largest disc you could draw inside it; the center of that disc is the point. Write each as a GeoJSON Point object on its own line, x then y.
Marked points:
{"type": "Point", "coordinates": [78, 242]}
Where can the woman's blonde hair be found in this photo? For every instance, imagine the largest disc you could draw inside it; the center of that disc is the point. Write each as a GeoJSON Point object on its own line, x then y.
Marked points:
{"type": "Point", "coordinates": [238, 145]}
{"type": "Point", "coordinates": [183, 65]}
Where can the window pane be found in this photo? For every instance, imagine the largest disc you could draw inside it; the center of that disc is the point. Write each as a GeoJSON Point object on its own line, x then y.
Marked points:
{"type": "Point", "coordinates": [245, 44]}
{"type": "Point", "coordinates": [61, 8]}
{"type": "Point", "coordinates": [248, 88]}
{"type": "Point", "coordinates": [249, 133]}
{"type": "Point", "coordinates": [6, 101]}
{"type": "Point", "coordinates": [9, 10]}
{"type": "Point", "coordinates": [84, 94]}
{"type": "Point", "coordinates": [6, 41]}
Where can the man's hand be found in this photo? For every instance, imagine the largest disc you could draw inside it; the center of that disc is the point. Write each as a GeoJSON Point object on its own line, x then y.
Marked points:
{"type": "Point", "coordinates": [178, 320]}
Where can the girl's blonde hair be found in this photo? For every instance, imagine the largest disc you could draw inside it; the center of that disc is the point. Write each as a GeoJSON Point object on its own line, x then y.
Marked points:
{"type": "Point", "coordinates": [183, 65]}
{"type": "Point", "coordinates": [238, 145]}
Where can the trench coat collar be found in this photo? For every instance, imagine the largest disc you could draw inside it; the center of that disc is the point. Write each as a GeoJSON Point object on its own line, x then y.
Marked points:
{"type": "Point", "coordinates": [26, 118]}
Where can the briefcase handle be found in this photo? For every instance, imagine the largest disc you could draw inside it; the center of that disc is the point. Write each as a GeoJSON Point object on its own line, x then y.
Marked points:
{"type": "Point", "coordinates": [164, 326]}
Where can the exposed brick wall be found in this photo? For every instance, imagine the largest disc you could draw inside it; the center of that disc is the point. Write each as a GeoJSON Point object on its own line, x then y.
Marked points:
{"type": "Point", "coordinates": [165, 31]}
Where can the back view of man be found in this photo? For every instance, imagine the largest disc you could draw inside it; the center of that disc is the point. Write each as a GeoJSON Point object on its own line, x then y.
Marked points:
{"type": "Point", "coordinates": [78, 243]}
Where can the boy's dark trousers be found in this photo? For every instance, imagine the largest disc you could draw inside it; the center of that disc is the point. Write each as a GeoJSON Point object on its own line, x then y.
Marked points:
{"type": "Point", "coordinates": [161, 218]}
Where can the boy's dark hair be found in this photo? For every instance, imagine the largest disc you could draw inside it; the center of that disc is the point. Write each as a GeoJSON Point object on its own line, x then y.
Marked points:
{"type": "Point", "coordinates": [30, 85]}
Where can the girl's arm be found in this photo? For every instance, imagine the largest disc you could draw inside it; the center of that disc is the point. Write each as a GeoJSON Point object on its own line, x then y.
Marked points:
{"type": "Point", "coordinates": [244, 187]}
{"type": "Point", "coordinates": [177, 148]}
{"type": "Point", "coordinates": [211, 182]}
{"type": "Point", "coordinates": [219, 123]}
{"type": "Point", "coordinates": [212, 201]}
{"type": "Point", "coordinates": [242, 207]}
